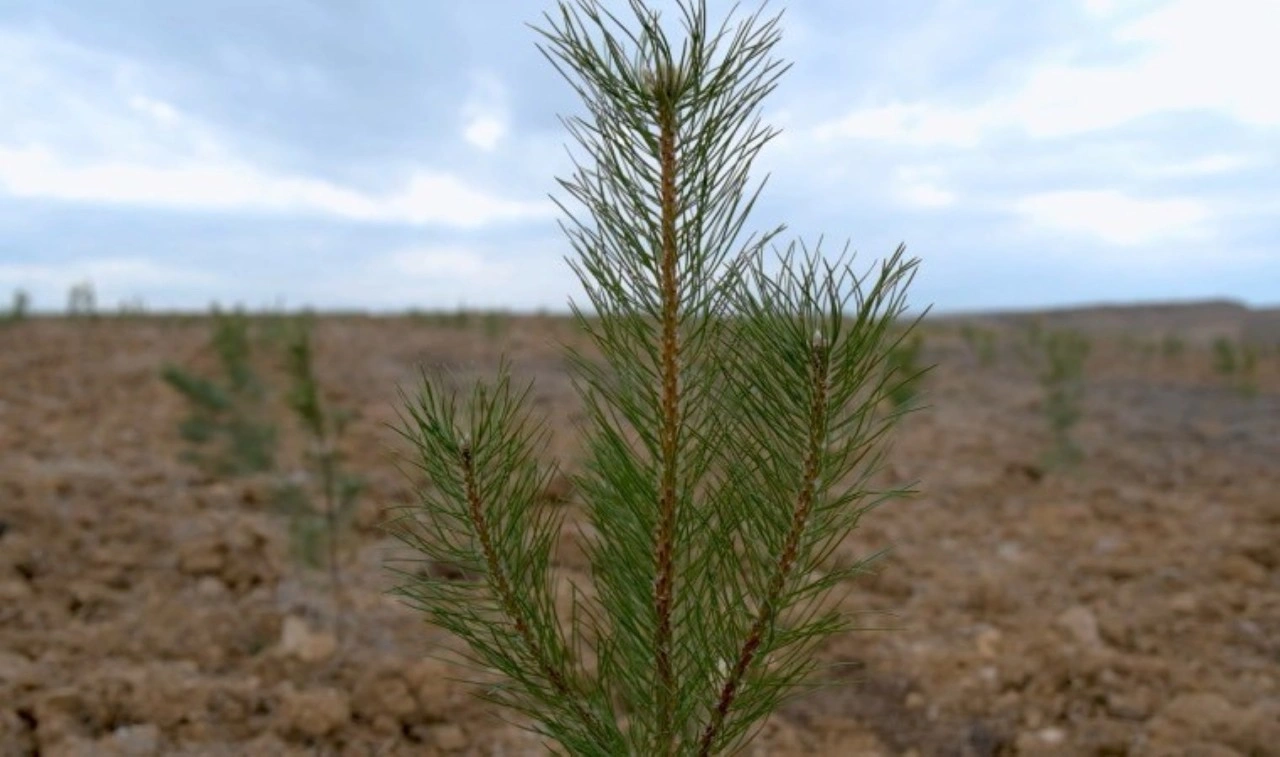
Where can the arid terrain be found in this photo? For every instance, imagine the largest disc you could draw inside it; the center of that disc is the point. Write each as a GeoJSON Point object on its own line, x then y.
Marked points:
{"type": "Point", "coordinates": [1128, 605]}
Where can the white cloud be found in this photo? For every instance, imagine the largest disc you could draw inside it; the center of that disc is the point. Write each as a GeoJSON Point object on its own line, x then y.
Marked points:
{"type": "Point", "coordinates": [485, 132]}
{"type": "Point", "coordinates": [427, 198]}
{"type": "Point", "coordinates": [484, 113]}
{"type": "Point", "coordinates": [1115, 218]}
{"type": "Point", "coordinates": [448, 262]}
{"type": "Point", "coordinates": [920, 188]}
{"type": "Point", "coordinates": [480, 276]}
{"type": "Point", "coordinates": [1207, 165]}
{"type": "Point", "coordinates": [111, 272]}
{"type": "Point", "coordinates": [111, 142]}
{"type": "Point", "coordinates": [161, 112]}
{"type": "Point", "coordinates": [917, 124]}
{"type": "Point", "coordinates": [1113, 8]}
{"type": "Point", "coordinates": [1188, 55]}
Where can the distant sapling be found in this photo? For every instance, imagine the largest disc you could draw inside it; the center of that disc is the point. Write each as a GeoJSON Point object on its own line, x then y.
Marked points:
{"type": "Point", "coordinates": [226, 415]}
{"type": "Point", "coordinates": [318, 530]}
{"type": "Point", "coordinates": [1062, 377]}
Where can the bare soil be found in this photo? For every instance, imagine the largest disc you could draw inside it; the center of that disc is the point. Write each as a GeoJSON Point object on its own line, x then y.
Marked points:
{"type": "Point", "coordinates": [1129, 605]}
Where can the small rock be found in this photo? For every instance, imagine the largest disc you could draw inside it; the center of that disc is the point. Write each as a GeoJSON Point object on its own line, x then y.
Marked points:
{"type": "Point", "coordinates": [14, 590]}
{"type": "Point", "coordinates": [1243, 570]}
{"type": "Point", "coordinates": [1032, 718]}
{"type": "Point", "coordinates": [298, 640]}
{"type": "Point", "coordinates": [70, 746]}
{"type": "Point", "coordinates": [988, 641]}
{"type": "Point", "coordinates": [1047, 740]}
{"type": "Point", "coordinates": [210, 586]}
{"type": "Point", "coordinates": [382, 692]}
{"type": "Point", "coordinates": [201, 555]}
{"type": "Point", "coordinates": [429, 680]}
{"type": "Point", "coordinates": [449, 737]}
{"type": "Point", "coordinates": [1184, 601]}
{"type": "Point", "coordinates": [1010, 551]}
{"type": "Point", "coordinates": [1210, 717]}
{"type": "Point", "coordinates": [17, 671]}
{"type": "Point", "coordinates": [313, 713]}
{"type": "Point", "coordinates": [1129, 705]}
{"type": "Point", "coordinates": [1052, 735]}
{"type": "Point", "coordinates": [1081, 625]}
{"type": "Point", "coordinates": [142, 740]}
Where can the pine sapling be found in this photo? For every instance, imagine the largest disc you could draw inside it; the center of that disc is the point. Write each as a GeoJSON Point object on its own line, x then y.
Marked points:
{"type": "Point", "coordinates": [1062, 377]}
{"type": "Point", "coordinates": [904, 360]}
{"type": "Point", "coordinates": [1237, 363]}
{"type": "Point", "coordinates": [732, 422]}
{"type": "Point", "coordinates": [981, 343]}
{"type": "Point", "coordinates": [1224, 357]}
{"type": "Point", "coordinates": [227, 414]}
{"type": "Point", "coordinates": [21, 305]}
{"type": "Point", "coordinates": [339, 490]}
{"type": "Point", "coordinates": [81, 300]}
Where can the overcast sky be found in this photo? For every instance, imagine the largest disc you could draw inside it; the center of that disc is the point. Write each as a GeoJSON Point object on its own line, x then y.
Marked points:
{"type": "Point", "coordinates": [387, 154]}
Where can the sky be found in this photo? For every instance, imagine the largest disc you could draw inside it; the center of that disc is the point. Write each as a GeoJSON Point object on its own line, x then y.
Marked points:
{"type": "Point", "coordinates": [392, 154]}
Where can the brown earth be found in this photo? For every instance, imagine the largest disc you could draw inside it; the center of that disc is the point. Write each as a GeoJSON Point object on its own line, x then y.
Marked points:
{"type": "Point", "coordinates": [1130, 605]}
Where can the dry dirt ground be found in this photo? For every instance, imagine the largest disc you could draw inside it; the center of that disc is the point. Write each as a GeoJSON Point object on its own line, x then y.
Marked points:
{"type": "Point", "coordinates": [1130, 605]}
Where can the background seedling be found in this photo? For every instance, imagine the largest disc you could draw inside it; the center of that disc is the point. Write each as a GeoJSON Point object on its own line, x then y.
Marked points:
{"type": "Point", "coordinates": [81, 300]}
{"type": "Point", "coordinates": [1062, 379]}
{"type": "Point", "coordinates": [225, 429]}
{"type": "Point", "coordinates": [981, 342]}
{"type": "Point", "coordinates": [1237, 363]}
{"type": "Point", "coordinates": [18, 311]}
{"type": "Point", "coordinates": [316, 531]}
{"type": "Point", "coordinates": [904, 361]}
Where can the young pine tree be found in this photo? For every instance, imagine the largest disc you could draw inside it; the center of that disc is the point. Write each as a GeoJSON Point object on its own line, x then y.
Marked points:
{"type": "Point", "coordinates": [226, 415]}
{"type": "Point", "coordinates": [315, 528]}
{"type": "Point", "coordinates": [732, 421]}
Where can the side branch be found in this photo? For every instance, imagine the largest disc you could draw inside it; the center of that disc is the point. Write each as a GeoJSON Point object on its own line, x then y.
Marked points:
{"type": "Point", "coordinates": [506, 596]}
{"type": "Point", "coordinates": [819, 363]}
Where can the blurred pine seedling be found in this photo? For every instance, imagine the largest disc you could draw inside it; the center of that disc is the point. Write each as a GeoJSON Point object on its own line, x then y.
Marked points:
{"type": "Point", "coordinates": [223, 429]}
{"type": "Point", "coordinates": [315, 528]}
{"type": "Point", "coordinates": [1062, 377]}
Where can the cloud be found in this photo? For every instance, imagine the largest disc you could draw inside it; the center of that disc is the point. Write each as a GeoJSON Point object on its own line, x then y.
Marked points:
{"type": "Point", "coordinates": [1115, 218]}
{"type": "Point", "coordinates": [920, 188]}
{"type": "Point", "coordinates": [1208, 165]}
{"type": "Point", "coordinates": [481, 275]}
{"type": "Point", "coordinates": [484, 113]}
{"type": "Point", "coordinates": [119, 145]}
{"type": "Point", "coordinates": [426, 198]}
{"type": "Point", "coordinates": [485, 132]}
{"type": "Point", "coordinates": [916, 124]}
{"type": "Point", "coordinates": [162, 113]}
{"type": "Point", "coordinates": [449, 262]}
{"type": "Point", "coordinates": [1179, 56]}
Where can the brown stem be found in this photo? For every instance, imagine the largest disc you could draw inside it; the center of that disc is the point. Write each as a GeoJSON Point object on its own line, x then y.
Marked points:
{"type": "Point", "coordinates": [508, 598]}
{"type": "Point", "coordinates": [786, 561]}
{"type": "Point", "coordinates": [665, 538]}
